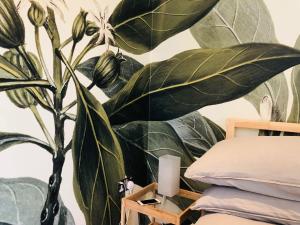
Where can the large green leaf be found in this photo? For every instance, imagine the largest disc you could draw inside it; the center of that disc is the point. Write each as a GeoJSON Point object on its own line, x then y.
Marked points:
{"type": "Point", "coordinates": [9, 139]}
{"type": "Point", "coordinates": [127, 69]}
{"type": "Point", "coordinates": [22, 201]}
{"type": "Point", "coordinates": [197, 78]}
{"type": "Point", "coordinates": [98, 162]}
{"type": "Point", "coordinates": [141, 25]}
{"type": "Point", "coordinates": [294, 116]}
{"type": "Point", "coordinates": [233, 22]}
{"type": "Point", "coordinates": [144, 142]}
{"type": "Point", "coordinates": [197, 133]}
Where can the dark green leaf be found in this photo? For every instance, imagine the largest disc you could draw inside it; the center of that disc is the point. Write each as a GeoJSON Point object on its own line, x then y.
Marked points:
{"type": "Point", "coordinates": [141, 25]}
{"type": "Point", "coordinates": [294, 116]}
{"type": "Point", "coordinates": [144, 142]}
{"type": "Point", "coordinates": [197, 78]}
{"type": "Point", "coordinates": [233, 22]}
{"type": "Point", "coordinates": [127, 69]}
{"type": "Point", "coordinates": [98, 162]}
{"type": "Point", "coordinates": [22, 200]}
{"type": "Point", "coordinates": [9, 139]}
{"type": "Point", "coordinates": [197, 133]}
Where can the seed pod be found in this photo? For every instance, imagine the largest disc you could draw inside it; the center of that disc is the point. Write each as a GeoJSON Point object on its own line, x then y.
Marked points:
{"type": "Point", "coordinates": [107, 69]}
{"type": "Point", "coordinates": [15, 58]}
{"type": "Point", "coordinates": [21, 97]}
{"type": "Point", "coordinates": [79, 26]}
{"type": "Point", "coordinates": [12, 31]}
{"type": "Point", "coordinates": [36, 14]}
{"type": "Point", "coordinates": [91, 28]}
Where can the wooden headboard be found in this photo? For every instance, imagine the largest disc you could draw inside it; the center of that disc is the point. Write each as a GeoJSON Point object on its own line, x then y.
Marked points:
{"type": "Point", "coordinates": [232, 124]}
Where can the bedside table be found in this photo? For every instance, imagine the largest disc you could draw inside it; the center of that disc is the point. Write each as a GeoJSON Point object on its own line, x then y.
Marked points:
{"type": "Point", "coordinates": [156, 211]}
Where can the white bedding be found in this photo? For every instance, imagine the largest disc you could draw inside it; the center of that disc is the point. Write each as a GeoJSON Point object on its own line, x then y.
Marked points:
{"type": "Point", "coordinates": [224, 219]}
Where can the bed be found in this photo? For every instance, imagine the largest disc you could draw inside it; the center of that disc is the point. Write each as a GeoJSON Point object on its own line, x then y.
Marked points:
{"type": "Point", "coordinates": [255, 180]}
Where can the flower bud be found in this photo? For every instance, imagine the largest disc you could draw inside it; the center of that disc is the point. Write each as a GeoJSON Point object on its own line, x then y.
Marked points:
{"type": "Point", "coordinates": [91, 28]}
{"type": "Point", "coordinates": [79, 26]}
{"type": "Point", "coordinates": [107, 69]}
{"type": "Point", "coordinates": [12, 31]}
{"type": "Point", "coordinates": [21, 97]}
{"type": "Point", "coordinates": [36, 14]}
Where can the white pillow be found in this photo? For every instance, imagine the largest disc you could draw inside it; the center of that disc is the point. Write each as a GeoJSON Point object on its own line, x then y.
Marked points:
{"type": "Point", "coordinates": [225, 219]}
{"type": "Point", "coordinates": [265, 165]}
{"type": "Point", "coordinates": [249, 205]}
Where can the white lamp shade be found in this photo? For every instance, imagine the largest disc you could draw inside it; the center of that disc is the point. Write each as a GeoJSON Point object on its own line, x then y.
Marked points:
{"type": "Point", "coordinates": [168, 175]}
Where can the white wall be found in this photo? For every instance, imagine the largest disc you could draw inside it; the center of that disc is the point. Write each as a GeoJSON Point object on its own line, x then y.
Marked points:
{"type": "Point", "coordinates": [29, 160]}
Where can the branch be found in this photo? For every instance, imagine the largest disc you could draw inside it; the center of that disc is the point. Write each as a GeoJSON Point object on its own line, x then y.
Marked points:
{"type": "Point", "coordinates": [40, 99]}
{"type": "Point", "coordinates": [67, 74]}
{"type": "Point", "coordinates": [41, 57]}
{"type": "Point", "coordinates": [51, 205]}
{"type": "Point", "coordinates": [53, 34]}
{"type": "Point", "coordinates": [43, 127]}
{"type": "Point", "coordinates": [69, 116]}
{"type": "Point", "coordinates": [68, 147]}
{"type": "Point", "coordinates": [68, 107]}
{"type": "Point", "coordinates": [10, 84]}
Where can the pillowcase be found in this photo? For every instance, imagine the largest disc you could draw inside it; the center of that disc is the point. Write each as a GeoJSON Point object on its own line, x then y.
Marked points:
{"type": "Point", "coordinates": [265, 165]}
{"type": "Point", "coordinates": [224, 219]}
{"type": "Point", "coordinates": [249, 205]}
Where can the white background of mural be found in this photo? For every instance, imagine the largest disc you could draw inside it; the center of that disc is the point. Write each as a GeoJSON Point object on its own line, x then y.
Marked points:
{"type": "Point", "coordinates": [29, 160]}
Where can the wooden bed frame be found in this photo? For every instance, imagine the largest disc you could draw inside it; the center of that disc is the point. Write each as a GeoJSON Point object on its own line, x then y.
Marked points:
{"type": "Point", "coordinates": [232, 124]}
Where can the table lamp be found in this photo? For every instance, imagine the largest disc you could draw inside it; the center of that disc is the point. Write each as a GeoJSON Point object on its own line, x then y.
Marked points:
{"type": "Point", "coordinates": [168, 175]}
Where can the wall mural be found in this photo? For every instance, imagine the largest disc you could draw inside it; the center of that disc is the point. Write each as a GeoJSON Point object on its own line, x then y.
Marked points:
{"type": "Point", "coordinates": [152, 109]}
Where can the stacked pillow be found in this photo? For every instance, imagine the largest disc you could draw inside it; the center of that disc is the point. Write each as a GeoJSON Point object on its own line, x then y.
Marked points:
{"type": "Point", "coordinates": [257, 178]}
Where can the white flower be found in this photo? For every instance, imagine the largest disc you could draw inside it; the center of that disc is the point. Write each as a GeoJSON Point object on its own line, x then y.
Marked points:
{"type": "Point", "coordinates": [265, 108]}
{"type": "Point", "coordinates": [55, 5]}
{"type": "Point", "coordinates": [100, 17]}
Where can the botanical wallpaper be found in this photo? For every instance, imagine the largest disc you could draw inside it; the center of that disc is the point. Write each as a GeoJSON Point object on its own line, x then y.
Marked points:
{"type": "Point", "coordinates": [93, 91]}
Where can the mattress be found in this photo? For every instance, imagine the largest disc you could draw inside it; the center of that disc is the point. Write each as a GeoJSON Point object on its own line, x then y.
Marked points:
{"type": "Point", "coordinates": [224, 219]}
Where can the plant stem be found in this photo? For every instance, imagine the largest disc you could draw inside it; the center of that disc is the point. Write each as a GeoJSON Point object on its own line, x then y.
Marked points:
{"type": "Point", "coordinates": [41, 57]}
{"type": "Point", "coordinates": [69, 116]}
{"type": "Point", "coordinates": [43, 126]}
{"type": "Point", "coordinates": [72, 52]}
{"type": "Point", "coordinates": [67, 74]}
{"type": "Point", "coordinates": [51, 205]}
{"type": "Point", "coordinates": [68, 147]}
{"type": "Point", "coordinates": [66, 42]}
{"type": "Point", "coordinates": [68, 107]}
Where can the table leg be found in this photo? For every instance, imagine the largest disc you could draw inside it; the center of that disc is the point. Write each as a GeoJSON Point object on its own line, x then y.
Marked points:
{"type": "Point", "coordinates": [123, 213]}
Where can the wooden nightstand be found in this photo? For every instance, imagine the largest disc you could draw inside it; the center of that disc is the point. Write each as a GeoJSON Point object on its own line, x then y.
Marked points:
{"type": "Point", "coordinates": [129, 203]}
